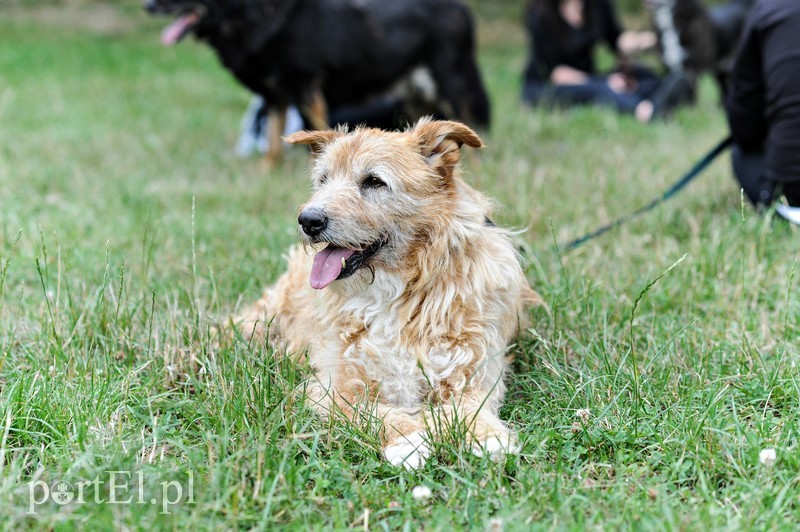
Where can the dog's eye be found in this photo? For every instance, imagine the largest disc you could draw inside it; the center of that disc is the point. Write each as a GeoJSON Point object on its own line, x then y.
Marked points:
{"type": "Point", "coordinates": [372, 181]}
{"type": "Point", "coordinates": [323, 178]}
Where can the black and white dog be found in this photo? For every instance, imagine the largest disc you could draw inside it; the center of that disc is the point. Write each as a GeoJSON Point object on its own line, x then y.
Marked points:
{"type": "Point", "coordinates": [320, 55]}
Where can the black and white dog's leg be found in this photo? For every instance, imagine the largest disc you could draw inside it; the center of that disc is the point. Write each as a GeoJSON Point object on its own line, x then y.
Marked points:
{"type": "Point", "coordinates": [253, 127]}
{"type": "Point", "coordinates": [252, 136]}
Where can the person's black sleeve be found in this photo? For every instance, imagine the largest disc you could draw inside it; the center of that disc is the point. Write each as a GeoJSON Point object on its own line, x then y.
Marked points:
{"type": "Point", "coordinates": [610, 23]}
{"type": "Point", "coordinates": [746, 99]}
{"type": "Point", "coordinates": [544, 52]}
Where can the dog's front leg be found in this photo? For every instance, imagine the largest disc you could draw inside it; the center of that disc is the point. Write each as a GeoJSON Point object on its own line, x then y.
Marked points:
{"type": "Point", "coordinates": [406, 438]}
{"type": "Point", "coordinates": [408, 433]}
{"type": "Point", "coordinates": [276, 123]}
{"type": "Point", "coordinates": [487, 434]}
{"type": "Point", "coordinates": [470, 420]}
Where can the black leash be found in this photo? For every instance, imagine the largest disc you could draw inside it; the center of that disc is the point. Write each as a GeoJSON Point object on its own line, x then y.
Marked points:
{"type": "Point", "coordinates": [671, 191]}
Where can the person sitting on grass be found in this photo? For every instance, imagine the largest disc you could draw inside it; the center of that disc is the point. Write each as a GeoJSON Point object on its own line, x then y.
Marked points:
{"type": "Point", "coordinates": [561, 70]}
{"type": "Point", "coordinates": [763, 107]}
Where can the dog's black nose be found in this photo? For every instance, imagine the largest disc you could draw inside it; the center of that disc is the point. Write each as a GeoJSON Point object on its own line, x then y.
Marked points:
{"type": "Point", "coordinates": [313, 221]}
{"type": "Point", "coordinates": [151, 6]}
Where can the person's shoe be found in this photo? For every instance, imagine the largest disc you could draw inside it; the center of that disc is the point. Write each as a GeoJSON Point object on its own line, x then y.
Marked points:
{"type": "Point", "coordinates": [790, 210]}
{"type": "Point", "coordinates": [791, 214]}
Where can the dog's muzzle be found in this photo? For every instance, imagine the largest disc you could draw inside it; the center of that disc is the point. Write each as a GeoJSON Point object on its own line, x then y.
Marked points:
{"type": "Point", "coordinates": [313, 221]}
{"type": "Point", "coordinates": [334, 261]}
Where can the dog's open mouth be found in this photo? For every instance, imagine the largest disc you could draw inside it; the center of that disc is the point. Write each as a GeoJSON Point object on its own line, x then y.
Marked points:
{"type": "Point", "coordinates": [178, 29]}
{"type": "Point", "coordinates": [334, 263]}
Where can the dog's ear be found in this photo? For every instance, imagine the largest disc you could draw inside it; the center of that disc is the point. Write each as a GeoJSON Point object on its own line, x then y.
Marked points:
{"type": "Point", "coordinates": [316, 140]}
{"type": "Point", "coordinates": [440, 143]}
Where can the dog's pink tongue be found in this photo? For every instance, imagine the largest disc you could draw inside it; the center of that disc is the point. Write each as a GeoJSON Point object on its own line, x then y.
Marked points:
{"type": "Point", "coordinates": [177, 29]}
{"type": "Point", "coordinates": [328, 265]}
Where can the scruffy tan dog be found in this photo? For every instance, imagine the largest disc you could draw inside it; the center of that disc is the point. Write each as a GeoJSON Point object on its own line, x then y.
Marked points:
{"type": "Point", "coordinates": [409, 304]}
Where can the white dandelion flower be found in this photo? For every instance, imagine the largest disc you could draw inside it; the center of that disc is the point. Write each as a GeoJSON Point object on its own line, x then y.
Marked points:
{"type": "Point", "coordinates": [767, 456]}
{"type": "Point", "coordinates": [421, 493]}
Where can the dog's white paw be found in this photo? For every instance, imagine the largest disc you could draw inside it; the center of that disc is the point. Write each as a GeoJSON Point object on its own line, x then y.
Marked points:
{"type": "Point", "coordinates": [410, 451]}
{"type": "Point", "coordinates": [496, 447]}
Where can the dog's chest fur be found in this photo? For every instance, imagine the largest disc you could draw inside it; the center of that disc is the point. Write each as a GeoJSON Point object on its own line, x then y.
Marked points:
{"type": "Point", "coordinates": [374, 349]}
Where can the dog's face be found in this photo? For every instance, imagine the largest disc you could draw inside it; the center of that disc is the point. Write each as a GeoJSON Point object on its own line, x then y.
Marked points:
{"type": "Point", "coordinates": [377, 194]}
{"type": "Point", "coordinates": [250, 21]}
{"type": "Point", "coordinates": [190, 14]}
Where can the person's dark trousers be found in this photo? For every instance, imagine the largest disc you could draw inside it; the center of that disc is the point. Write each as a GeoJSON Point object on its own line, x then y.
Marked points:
{"type": "Point", "coordinates": [748, 169]}
{"type": "Point", "coordinates": [594, 92]}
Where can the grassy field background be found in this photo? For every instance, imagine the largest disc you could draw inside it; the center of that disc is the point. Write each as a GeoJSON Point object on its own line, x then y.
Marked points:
{"type": "Point", "coordinates": [129, 229]}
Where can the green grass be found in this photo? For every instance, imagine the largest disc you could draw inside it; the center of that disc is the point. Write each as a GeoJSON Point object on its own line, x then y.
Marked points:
{"type": "Point", "coordinates": [129, 229]}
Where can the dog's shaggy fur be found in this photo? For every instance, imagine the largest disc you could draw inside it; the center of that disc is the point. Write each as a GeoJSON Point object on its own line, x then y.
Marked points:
{"type": "Point", "coordinates": [418, 293]}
